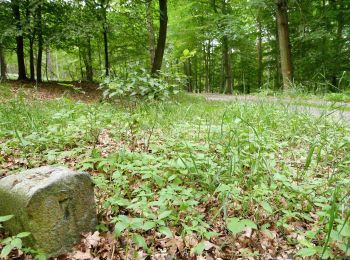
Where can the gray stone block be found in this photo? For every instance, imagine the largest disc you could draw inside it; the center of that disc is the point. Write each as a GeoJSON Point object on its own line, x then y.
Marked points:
{"type": "Point", "coordinates": [55, 204]}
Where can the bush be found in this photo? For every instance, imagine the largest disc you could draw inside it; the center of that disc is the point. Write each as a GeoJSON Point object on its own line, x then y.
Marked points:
{"type": "Point", "coordinates": [141, 85]}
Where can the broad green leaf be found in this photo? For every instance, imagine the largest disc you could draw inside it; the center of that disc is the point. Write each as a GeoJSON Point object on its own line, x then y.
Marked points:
{"type": "Point", "coordinates": [267, 207]}
{"type": "Point", "coordinates": [17, 242]}
{"type": "Point", "coordinates": [148, 225]}
{"type": "Point", "coordinates": [307, 251]}
{"type": "Point", "coordinates": [235, 225]}
{"type": "Point", "coordinates": [119, 228]}
{"type": "Point", "coordinates": [164, 214]}
{"type": "Point", "coordinates": [5, 218]}
{"type": "Point", "coordinates": [6, 251]}
{"type": "Point", "coordinates": [249, 223]}
{"type": "Point", "coordinates": [23, 234]}
{"type": "Point", "coordinates": [140, 241]}
{"type": "Point", "coordinates": [40, 257]}
{"type": "Point", "coordinates": [198, 249]}
{"type": "Point", "coordinates": [165, 231]}
{"type": "Point", "coordinates": [346, 231]}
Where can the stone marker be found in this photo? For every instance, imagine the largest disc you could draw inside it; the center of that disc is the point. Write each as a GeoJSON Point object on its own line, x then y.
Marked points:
{"type": "Point", "coordinates": [55, 204]}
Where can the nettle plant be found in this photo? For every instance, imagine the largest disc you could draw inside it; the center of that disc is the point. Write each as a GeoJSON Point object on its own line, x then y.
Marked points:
{"type": "Point", "coordinates": [140, 85]}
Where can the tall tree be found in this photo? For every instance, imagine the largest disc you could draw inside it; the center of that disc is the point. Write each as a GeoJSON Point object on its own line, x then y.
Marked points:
{"type": "Point", "coordinates": [3, 65]}
{"type": "Point", "coordinates": [284, 42]}
{"type": "Point", "coordinates": [260, 50]}
{"type": "Point", "coordinates": [163, 20]}
{"type": "Point", "coordinates": [105, 5]}
{"type": "Point", "coordinates": [19, 40]}
{"type": "Point", "coordinates": [226, 53]}
{"type": "Point", "coordinates": [31, 37]}
{"type": "Point", "coordinates": [39, 29]}
{"type": "Point", "coordinates": [150, 30]}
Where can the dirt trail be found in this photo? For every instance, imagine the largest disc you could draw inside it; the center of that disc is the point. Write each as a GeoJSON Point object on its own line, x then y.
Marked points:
{"type": "Point", "coordinates": [328, 109]}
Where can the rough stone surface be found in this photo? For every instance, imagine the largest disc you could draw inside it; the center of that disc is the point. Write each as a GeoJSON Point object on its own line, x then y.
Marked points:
{"type": "Point", "coordinates": [55, 204]}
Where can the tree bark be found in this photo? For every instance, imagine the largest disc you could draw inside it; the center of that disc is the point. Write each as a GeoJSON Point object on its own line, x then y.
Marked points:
{"type": "Point", "coordinates": [207, 66]}
{"type": "Point", "coordinates": [3, 65]}
{"type": "Point", "coordinates": [339, 44]}
{"type": "Point", "coordinates": [284, 42]}
{"type": "Point", "coordinates": [227, 66]}
{"type": "Point", "coordinates": [48, 64]}
{"type": "Point", "coordinates": [31, 59]}
{"type": "Point", "coordinates": [105, 41]}
{"type": "Point", "coordinates": [150, 30]}
{"type": "Point", "coordinates": [227, 69]}
{"type": "Point", "coordinates": [163, 19]}
{"type": "Point", "coordinates": [88, 62]}
{"type": "Point", "coordinates": [260, 53]}
{"type": "Point", "coordinates": [40, 45]}
{"type": "Point", "coordinates": [104, 6]}
{"type": "Point", "coordinates": [19, 41]}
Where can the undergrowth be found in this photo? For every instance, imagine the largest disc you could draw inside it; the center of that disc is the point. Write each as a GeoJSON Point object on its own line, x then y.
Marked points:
{"type": "Point", "coordinates": [188, 177]}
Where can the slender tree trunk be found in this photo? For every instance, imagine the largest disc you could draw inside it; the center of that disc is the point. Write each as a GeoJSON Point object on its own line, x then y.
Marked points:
{"type": "Point", "coordinates": [80, 63]}
{"type": "Point", "coordinates": [284, 43]}
{"type": "Point", "coordinates": [57, 67]}
{"type": "Point", "coordinates": [31, 59]}
{"type": "Point", "coordinates": [105, 41]}
{"type": "Point", "coordinates": [226, 57]}
{"type": "Point", "coordinates": [260, 53]}
{"type": "Point", "coordinates": [278, 72]}
{"type": "Point", "coordinates": [207, 66]}
{"type": "Point", "coordinates": [163, 19]}
{"type": "Point", "coordinates": [31, 37]}
{"type": "Point", "coordinates": [40, 46]}
{"type": "Point", "coordinates": [48, 64]}
{"type": "Point", "coordinates": [195, 74]}
{"type": "Point", "coordinates": [3, 65]}
{"type": "Point", "coordinates": [227, 66]}
{"type": "Point", "coordinates": [19, 41]}
{"type": "Point", "coordinates": [338, 44]}
{"type": "Point", "coordinates": [88, 62]}
{"type": "Point", "coordinates": [150, 30]}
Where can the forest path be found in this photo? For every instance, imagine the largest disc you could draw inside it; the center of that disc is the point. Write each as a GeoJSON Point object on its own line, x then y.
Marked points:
{"type": "Point", "coordinates": [316, 108]}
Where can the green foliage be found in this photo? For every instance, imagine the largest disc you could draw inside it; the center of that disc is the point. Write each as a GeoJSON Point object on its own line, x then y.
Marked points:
{"type": "Point", "coordinates": [185, 167]}
{"type": "Point", "coordinates": [141, 85]}
{"type": "Point", "coordinates": [13, 242]}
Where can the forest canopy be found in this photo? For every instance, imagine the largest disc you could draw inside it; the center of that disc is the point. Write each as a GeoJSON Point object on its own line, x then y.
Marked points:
{"type": "Point", "coordinates": [220, 45]}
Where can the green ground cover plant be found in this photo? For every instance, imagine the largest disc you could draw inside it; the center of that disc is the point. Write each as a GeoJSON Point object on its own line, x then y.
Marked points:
{"type": "Point", "coordinates": [188, 177]}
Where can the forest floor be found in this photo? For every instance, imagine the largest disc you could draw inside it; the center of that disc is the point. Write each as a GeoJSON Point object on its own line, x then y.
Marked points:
{"type": "Point", "coordinates": [188, 178]}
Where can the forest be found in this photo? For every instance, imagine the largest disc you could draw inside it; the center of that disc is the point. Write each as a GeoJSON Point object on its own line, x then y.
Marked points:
{"type": "Point", "coordinates": [210, 129]}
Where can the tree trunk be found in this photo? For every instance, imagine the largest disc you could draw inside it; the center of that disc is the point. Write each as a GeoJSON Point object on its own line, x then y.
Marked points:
{"type": "Point", "coordinates": [339, 44]}
{"type": "Point", "coordinates": [227, 69]}
{"type": "Point", "coordinates": [188, 72]}
{"type": "Point", "coordinates": [3, 65]}
{"type": "Point", "coordinates": [260, 53]}
{"type": "Point", "coordinates": [105, 40]}
{"type": "Point", "coordinates": [207, 68]}
{"type": "Point", "coordinates": [89, 72]}
{"type": "Point", "coordinates": [150, 30]}
{"type": "Point", "coordinates": [88, 62]}
{"type": "Point", "coordinates": [284, 43]}
{"type": "Point", "coordinates": [31, 37]}
{"type": "Point", "coordinates": [227, 66]}
{"type": "Point", "coordinates": [48, 64]}
{"type": "Point", "coordinates": [19, 41]}
{"type": "Point", "coordinates": [163, 19]}
{"type": "Point", "coordinates": [40, 46]}
{"type": "Point", "coordinates": [80, 63]}
{"type": "Point", "coordinates": [31, 59]}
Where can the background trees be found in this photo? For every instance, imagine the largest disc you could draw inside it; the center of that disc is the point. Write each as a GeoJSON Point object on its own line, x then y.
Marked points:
{"type": "Point", "coordinates": [235, 45]}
